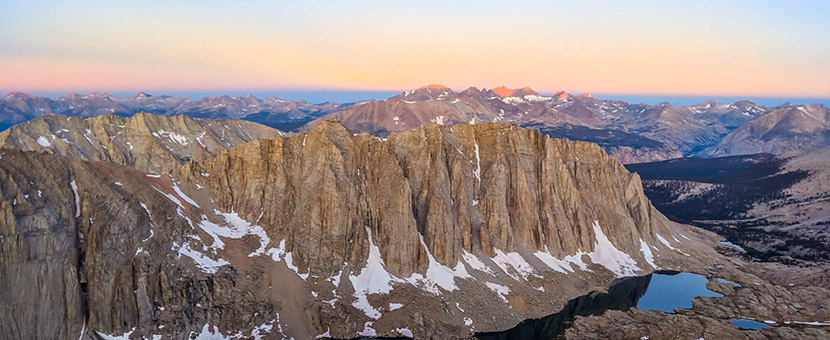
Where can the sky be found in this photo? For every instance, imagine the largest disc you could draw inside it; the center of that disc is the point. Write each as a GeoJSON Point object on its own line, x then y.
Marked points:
{"type": "Point", "coordinates": [777, 49]}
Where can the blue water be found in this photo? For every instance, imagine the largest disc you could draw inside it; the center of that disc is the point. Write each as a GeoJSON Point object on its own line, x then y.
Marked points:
{"type": "Point", "coordinates": [727, 281]}
{"type": "Point", "coordinates": [748, 324]}
{"type": "Point", "coordinates": [666, 291]}
{"type": "Point", "coordinates": [662, 290]}
{"type": "Point", "coordinates": [733, 245]}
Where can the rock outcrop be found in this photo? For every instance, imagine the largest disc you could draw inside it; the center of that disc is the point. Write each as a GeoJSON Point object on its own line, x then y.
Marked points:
{"type": "Point", "coordinates": [434, 232]}
{"type": "Point", "coordinates": [145, 141]}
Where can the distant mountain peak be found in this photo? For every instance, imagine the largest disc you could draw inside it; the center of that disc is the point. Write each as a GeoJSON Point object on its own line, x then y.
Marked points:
{"type": "Point", "coordinates": [435, 87]}
{"type": "Point", "coordinates": [16, 94]}
{"type": "Point", "coordinates": [561, 95]}
{"type": "Point", "coordinates": [425, 92]}
{"type": "Point", "coordinates": [504, 92]}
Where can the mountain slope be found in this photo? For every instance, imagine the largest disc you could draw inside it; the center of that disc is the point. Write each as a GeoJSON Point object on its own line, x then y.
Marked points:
{"type": "Point", "coordinates": [773, 206]}
{"type": "Point", "coordinates": [434, 232]}
{"type": "Point", "coordinates": [778, 131]}
{"type": "Point", "coordinates": [285, 114]}
{"type": "Point", "coordinates": [146, 141]}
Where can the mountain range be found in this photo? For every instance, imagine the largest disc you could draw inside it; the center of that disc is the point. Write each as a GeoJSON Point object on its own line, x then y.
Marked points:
{"type": "Point", "coordinates": [438, 231]}
{"type": "Point", "coordinates": [17, 107]}
{"type": "Point", "coordinates": [630, 132]}
{"type": "Point", "coordinates": [435, 231]}
{"type": "Point", "coordinates": [158, 226]}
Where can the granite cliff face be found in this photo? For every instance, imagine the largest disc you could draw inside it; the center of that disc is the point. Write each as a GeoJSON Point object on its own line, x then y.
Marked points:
{"type": "Point", "coordinates": [146, 141]}
{"type": "Point", "coordinates": [464, 188]}
{"type": "Point", "coordinates": [433, 232]}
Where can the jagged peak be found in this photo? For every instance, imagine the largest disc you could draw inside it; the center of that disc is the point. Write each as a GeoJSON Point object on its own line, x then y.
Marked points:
{"type": "Point", "coordinates": [561, 95]}
{"type": "Point", "coordinates": [504, 92]}
{"type": "Point", "coordinates": [434, 87]}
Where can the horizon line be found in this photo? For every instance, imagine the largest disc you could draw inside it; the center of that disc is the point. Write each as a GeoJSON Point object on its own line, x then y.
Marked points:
{"type": "Point", "coordinates": [316, 92]}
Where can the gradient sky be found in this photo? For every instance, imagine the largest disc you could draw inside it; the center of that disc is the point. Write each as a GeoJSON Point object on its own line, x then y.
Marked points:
{"type": "Point", "coordinates": [726, 48]}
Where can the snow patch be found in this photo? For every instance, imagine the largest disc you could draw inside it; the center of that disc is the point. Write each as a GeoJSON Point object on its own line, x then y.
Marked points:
{"type": "Point", "coordinates": [125, 336]}
{"type": "Point", "coordinates": [206, 264]}
{"type": "Point", "coordinates": [236, 227]}
{"type": "Point", "coordinates": [183, 196]}
{"type": "Point", "coordinates": [610, 257]}
{"type": "Point", "coordinates": [647, 253]}
{"type": "Point", "coordinates": [554, 263]}
{"type": "Point", "coordinates": [171, 197]}
{"type": "Point", "coordinates": [667, 244]}
{"type": "Point", "coordinates": [404, 332]}
{"type": "Point", "coordinates": [326, 335]}
{"type": "Point", "coordinates": [77, 198]}
{"type": "Point", "coordinates": [43, 142]}
{"type": "Point", "coordinates": [175, 137]}
{"type": "Point", "coordinates": [475, 263]}
{"type": "Point", "coordinates": [368, 330]}
{"type": "Point", "coordinates": [515, 261]}
{"type": "Point", "coordinates": [440, 120]}
{"type": "Point", "coordinates": [813, 323]}
{"type": "Point", "coordinates": [279, 253]}
{"type": "Point", "coordinates": [373, 279]}
{"type": "Point", "coordinates": [536, 98]}
{"type": "Point", "coordinates": [477, 171]}
{"type": "Point", "coordinates": [438, 275]}
{"type": "Point", "coordinates": [502, 291]}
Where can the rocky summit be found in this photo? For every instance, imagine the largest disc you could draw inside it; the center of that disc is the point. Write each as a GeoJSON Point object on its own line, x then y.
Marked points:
{"type": "Point", "coordinates": [436, 232]}
{"type": "Point", "coordinates": [628, 131]}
